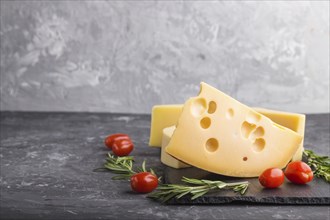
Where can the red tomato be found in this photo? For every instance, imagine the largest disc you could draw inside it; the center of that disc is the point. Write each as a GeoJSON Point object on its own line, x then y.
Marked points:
{"type": "Point", "coordinates": [144, 182]}
{"type": "Point", "coordinates": [109, 141]}
{"type": "Point", "coordinates": [299, 172]}
{"type": "Point", "coordinates": [271, 178]}
{"type": "Point", "coordinates": [122, 147]}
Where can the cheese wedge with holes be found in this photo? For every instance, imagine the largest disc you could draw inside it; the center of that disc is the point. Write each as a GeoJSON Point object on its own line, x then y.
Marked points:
{"type": "Point", "coordinates": [219, 134]}
{"type": "Point", "coordinates": [167, 115]}
{"type": "Point", "coordinates": [165, 158]}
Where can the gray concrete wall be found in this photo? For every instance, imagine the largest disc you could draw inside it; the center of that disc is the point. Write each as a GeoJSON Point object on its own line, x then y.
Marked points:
{"type": "Point", "coordinates": [128, 56]}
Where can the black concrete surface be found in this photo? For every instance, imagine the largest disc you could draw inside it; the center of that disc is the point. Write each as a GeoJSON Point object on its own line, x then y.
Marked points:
{"type": "Point", "coordinates": [47, 162]}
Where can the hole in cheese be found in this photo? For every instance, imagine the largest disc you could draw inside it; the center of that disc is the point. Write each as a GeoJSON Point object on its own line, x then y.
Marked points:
{"type": "Point", "coordinates": [205, 122]}
{"type": "Point", "coordinates": [247, 128]}
{"type": "Point", "coordinates": [230, 113]}
{"type": "Point", "coordinates": [198, 107]}
{"type": "Point", "coordinates": [259, 132]}
{"type": "Point", "coordinates": [259, 144]}
{"type": "Point", "coordinates": [212, 107]}
{"type": "Point", "coordinates": [212, 145]}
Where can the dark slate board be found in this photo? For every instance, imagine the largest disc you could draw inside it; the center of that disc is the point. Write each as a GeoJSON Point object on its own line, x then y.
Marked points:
{"type": "Point", "coordinates": [316, 192]}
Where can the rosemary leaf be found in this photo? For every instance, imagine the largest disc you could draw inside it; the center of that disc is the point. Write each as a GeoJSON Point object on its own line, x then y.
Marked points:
{"type": "Point", "coordinates": [123, 166]}
{"type": "Point", "coordinates": [144, 166]}
{"type": "Point", "coordinates": [199, 194]}
{"type": "Point", "coordinates": [182, 194]}
{"type": "Point", "coordinates": [197, 191]}
{"type": "Point", "coordinates": [168, 197]}
{"type": "Point", "coordinates": [120, 177]}
{"type": "Point", "coordinates": [194, 188]}
{"type": "Point", "coordinates": [319, 164]}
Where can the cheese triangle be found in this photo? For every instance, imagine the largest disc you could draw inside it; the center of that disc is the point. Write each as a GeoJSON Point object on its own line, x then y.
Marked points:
{"type": "Point", "coordinates": [219, 134]}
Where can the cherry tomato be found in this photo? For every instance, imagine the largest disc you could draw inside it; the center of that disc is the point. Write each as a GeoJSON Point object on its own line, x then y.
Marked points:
{"type": "Point", "coordinates": [144, 182]}
{"type": "Point", "coordinates": [109, 141]}
{"type": "Point", "coordinates": [271, 178]}
{"type": "Point", "coordinates": [298, 172]}
{"type": "Point", "coordinates": [122, 147]}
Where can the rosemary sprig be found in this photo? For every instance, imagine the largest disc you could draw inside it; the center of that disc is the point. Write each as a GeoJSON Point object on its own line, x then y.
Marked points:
{"type": "Point", "coordinates": [195, 188]}
{"type": "Point", "coordinates": [123, 166]}
{"type": "Point", "coordinates": [319, 164]}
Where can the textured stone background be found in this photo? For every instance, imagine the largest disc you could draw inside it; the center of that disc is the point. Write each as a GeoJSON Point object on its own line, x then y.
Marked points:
{"type": "Point", "coordinates": [128, 56]}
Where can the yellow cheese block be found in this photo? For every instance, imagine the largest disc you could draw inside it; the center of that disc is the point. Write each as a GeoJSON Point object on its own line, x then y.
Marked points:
{"type": "Point", "coordinates": [162, 117]}
{"type": "Point", "coordinates": [219, 134]}
{"type": "Point", "coordinates": [165, 157]}
{"type": "Point", "coordinates": [167, 115]}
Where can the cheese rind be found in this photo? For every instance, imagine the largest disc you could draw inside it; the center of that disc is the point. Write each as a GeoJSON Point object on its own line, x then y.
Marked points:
{"type": "Point", "coordinates": [165, 157]}
{"type": "Point", "coordinates": [219, 134]}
